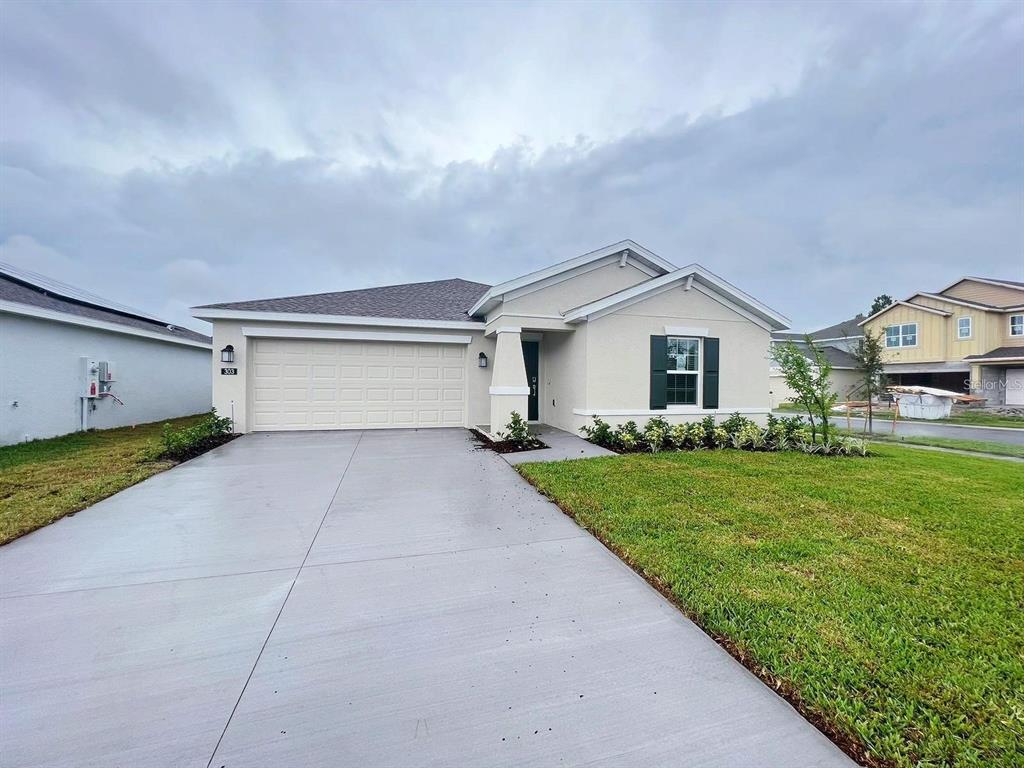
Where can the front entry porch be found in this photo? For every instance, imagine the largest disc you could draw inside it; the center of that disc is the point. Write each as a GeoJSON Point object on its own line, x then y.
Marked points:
{"type": "Point", "coordinates": [520, 377]}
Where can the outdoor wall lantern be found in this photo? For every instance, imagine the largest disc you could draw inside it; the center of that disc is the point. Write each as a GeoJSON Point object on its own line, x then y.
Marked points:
{"type": "Point", "coordinates": [482, 360]}
{"type": "Point", "coordinates": [227, 355]}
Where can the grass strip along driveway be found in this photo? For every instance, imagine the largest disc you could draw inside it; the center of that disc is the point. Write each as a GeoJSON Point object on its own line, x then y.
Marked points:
{"type": "Point", "coordinates": [44, 480]}
{"type": "Point", "coordinates": [883, 595]}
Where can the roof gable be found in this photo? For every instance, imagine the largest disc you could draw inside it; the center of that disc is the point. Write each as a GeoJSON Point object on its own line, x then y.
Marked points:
{"type": "Point", "coordinates": [693, 276]}
{"type": "Point", "coordinates": [625, 249]}
{"type": "Point", "coordinates": [908, 303]}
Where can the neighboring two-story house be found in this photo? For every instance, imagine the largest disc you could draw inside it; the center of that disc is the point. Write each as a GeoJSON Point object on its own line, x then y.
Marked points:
{"type": "Point", "coordinates": [967, 337]}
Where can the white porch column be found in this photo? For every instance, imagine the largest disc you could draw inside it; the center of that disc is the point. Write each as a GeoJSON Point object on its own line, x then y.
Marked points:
{"type": "Point", "coordinates": [509, 389]}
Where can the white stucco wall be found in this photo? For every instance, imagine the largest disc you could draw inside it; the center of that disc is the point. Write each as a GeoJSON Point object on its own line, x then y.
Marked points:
{"type": "Point", "coordinates": [40, 369]}
{"type": "Point", "coordinates": [563, 376]}
{"type": "Point", "coordinates": [618, 358]}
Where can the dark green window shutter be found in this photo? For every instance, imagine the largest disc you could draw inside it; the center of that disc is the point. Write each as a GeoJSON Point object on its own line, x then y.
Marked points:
{"type": "Point", "coordinates": [659, 368]}
{"type": "Point", "coordinates": [710, 373]}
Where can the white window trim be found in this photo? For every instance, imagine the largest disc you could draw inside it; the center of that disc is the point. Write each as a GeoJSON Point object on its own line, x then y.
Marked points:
{"type": "Point", "coordinates": [970, 328]}
{"type": "Point", "coordinates": [901, 345]}
{"type": "Point", "coordinates": [1009, 330]}
{"type": "Point", "coordinates": [695, 373]}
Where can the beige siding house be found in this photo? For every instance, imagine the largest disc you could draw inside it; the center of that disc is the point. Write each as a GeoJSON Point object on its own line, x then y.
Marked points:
{"type": "Point", "coordinates": [969, 336]}
{"type": "Point", "coordinates": [618, 332]}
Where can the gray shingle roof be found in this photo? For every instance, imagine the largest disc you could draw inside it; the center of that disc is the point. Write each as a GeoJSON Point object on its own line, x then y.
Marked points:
{"type": "Point", "coordinates": [435, 300]}
{"type": "Point", "coordinates": [22, 291]}
{"type": "Point", "coordinates": [847, 328]}
{"type": "Point", "coordinates": [998, 352]}
{"type": "Point", "coordinates": [834, 355]}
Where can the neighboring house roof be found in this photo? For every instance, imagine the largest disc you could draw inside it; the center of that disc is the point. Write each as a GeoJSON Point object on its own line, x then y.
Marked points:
{"type": "Point", "coordinates": [987, 281]}
{"type": "Point", "coordinates": [694, 276]}
{"type": "Point", "coordinates": [436, 300]}
{"type": "Point", "coordinates": [840, 360]}
{"type": "Point", "coordinates": [847, 329]}
{"type": "Point", "coordinates": [1000, 353]}
{"type": "Point", "coordinates": [27, 293]}
{"type": "Point", "coordinates": [627, 249]}
{"type": "Point", "coordinates": [969, 302]}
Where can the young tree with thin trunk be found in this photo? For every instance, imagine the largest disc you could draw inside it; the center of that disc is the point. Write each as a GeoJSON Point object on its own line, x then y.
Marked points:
{"type": "Point", "coordinates": [811, 378]}
{"type": "Point", "coordinates": [868, 355]}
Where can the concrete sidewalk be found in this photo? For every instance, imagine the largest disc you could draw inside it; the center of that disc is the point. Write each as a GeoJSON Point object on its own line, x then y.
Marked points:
{"type": "Point", "coordinates": [386, 598]}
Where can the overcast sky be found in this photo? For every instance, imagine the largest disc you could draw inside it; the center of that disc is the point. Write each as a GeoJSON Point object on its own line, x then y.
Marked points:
{"type": "Point", "coordinates": [172, 154]}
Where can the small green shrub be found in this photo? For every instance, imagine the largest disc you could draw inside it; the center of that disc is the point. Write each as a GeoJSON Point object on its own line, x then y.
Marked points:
{"type": "Point", "coordinates": [736, 424]}
{"type": "Point", "coordinates": [656, 434]}
{"type": "Point", "coordinates": [516, 435]}
{"type": "Point", "coordinates": [187, 442]}
{"type": "Point", "coordinates": [697, 435]}
{"type": "Point", "coordinates": [627, 436]}
{"type": "Point", "coordinates": [599, 433]}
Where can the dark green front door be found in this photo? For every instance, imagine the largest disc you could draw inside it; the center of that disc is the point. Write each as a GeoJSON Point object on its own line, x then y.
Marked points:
{"type": "Point", "coordinates": [531, 356]}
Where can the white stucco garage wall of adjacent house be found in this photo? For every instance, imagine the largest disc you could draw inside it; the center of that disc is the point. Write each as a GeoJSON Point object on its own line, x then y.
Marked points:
{"type": "Point", "coordinates": [40, 371]}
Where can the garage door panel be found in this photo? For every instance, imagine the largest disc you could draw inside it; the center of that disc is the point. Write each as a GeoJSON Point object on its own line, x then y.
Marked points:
{"type": "Point", "coordinates": [325, 384]}
{"type": "Point", "coordinates": [1015, 386]}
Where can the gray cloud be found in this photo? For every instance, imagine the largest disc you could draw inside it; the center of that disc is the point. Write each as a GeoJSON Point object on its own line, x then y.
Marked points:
{"type": "Point", "coordinates": [876, 148]}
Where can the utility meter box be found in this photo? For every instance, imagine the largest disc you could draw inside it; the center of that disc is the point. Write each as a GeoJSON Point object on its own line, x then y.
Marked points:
{"type": "Point", "coordinates": [107, 372]}
{"type": "Point", "coordinates": [90, 378]}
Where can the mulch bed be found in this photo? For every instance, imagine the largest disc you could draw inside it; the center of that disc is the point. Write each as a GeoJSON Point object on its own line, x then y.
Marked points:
{"type": "Point", "coordinates": [505, 446]}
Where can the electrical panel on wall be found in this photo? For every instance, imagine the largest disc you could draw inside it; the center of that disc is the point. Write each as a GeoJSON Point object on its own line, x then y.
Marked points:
{"type": "Point", "coordinates": [106, 375]}
{"type": "Point", "coordinates": [90, 378]}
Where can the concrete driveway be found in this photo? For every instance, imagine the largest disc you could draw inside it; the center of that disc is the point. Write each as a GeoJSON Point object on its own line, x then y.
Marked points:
{"type": "Point", "coordinates": [366, 599]}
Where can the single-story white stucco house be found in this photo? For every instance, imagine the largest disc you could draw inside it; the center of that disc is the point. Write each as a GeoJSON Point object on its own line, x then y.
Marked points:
{"type": "Point", "coordinates": [70, 360]}
{"type": "Point", "coordinates": [618, 332]}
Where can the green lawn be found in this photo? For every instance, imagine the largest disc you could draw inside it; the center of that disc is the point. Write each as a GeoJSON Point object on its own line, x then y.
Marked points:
{"type": "Point", "coordinates": [44, 480]}
{"type": "Point", "coordinates": [883, 594]}
{"type": "Point", "coordinates": [966, 418]}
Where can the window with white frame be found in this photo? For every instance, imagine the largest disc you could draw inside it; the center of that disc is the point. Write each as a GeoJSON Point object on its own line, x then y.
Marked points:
{"type": "Point", "coordinates": [1017, 325]}
{"type": "Point", "coordinates": [901, 335]}
{"type": "Point", "coordinates": [963, 327]}
{"type": "Point", "coordinates": [683, 370]}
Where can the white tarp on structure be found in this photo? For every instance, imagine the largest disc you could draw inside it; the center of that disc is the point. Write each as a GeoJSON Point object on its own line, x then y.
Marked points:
{"type": "Point", "coordinates": [924, 402]}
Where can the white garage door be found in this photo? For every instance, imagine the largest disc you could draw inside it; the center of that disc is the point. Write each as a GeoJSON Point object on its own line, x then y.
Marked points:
{"type": "Point", "coordinates": [321, 384]}
{"type": "Point", "coordinates": [1015, 386]}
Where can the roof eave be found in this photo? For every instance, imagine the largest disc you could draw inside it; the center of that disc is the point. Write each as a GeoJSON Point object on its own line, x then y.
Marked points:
{"type": "Point", "coordinates": [211, 314]}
